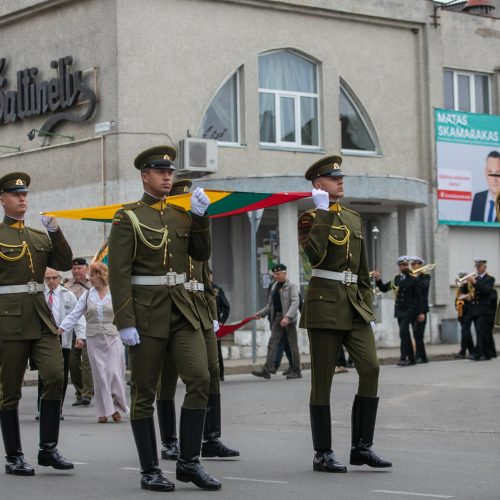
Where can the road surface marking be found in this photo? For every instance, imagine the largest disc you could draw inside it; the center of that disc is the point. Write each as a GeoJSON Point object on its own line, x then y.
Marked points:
{"type": "Point", "coordinates": [255, 480]}
{"type": "Point", "coordinates": [409, 493]}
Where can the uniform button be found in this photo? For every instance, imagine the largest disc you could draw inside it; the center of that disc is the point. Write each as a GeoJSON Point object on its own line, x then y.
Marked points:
{"type": "Point", "coordinates": [170, 255]}
{"type": "Point", "coordinates": [169, 240]}
{"type": "Point", "coordinates": [161, 213]}
{"type": "Point", "coordinates": [321, 296]}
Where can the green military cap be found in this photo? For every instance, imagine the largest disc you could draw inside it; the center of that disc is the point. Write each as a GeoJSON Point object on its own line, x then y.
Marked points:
{"type": "Point", "coordinates": [156, 157]}
{"type": "Point", "coordinates": [278, 267]}
{"type": "Point", "coordinates": [329, 166]}
{"type": "Point", "coordinates": [181, 186]}
{"type": "Point", "coordinates": [15, 182]}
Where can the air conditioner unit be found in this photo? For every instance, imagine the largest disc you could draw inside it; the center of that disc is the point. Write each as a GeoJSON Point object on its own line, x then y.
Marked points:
{"type": "Point", "coordinates": [198, 155]}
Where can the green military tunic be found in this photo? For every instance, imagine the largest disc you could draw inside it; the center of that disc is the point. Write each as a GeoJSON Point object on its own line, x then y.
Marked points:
{"type": "Point", "coordinates": [152, 238]}
{"type": "Point", "coordinates": [26, 325]}
{"type": "Point", "coordinates": [336, 313]}
{"type": "Point", "coordinates": [206, 308]}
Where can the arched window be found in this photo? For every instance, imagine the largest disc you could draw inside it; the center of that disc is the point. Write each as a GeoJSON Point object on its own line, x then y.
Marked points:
{"type": "Point", "coordinates": [288, 100]}
{"type": "Point", "coordinates": [221, 120]}
{"type": "Point", "coordinates": [358, 133]}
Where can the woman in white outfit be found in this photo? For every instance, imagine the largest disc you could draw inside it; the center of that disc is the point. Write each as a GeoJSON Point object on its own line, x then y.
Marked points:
{"type": "Point", "coordinates": [105, 350]}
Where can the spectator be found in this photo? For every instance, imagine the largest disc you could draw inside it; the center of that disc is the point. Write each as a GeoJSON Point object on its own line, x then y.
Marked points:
{"type": "Point", "coordinates": [106, 353]}
{"type": "Point", "coordinates": [283, 306]}
{"type": "Point", "coordinates": [61, 302]}
{"type": "Point", "coordinates": [79, 366]}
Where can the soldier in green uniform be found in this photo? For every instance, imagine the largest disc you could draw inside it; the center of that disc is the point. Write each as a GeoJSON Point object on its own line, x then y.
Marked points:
{"type": "Point", "coordinates": [148, 248]}
{"type": "Point", "coordinates": [204, 299]}
{"type": "Point", "coordinates": [337, 311]}
{"type": "Point", "coordinates": [26, 326]}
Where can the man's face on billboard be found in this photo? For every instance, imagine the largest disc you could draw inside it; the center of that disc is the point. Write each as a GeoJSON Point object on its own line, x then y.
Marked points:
{"type": "Point", "coordinates": [493, 167]}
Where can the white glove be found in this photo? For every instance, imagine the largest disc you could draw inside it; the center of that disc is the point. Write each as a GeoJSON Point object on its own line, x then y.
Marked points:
{"type": "Point", "coordinates": [199, 201]}
{"type": "Point", "coordinates": [321, 199]}
{"type": "Point", "coordinates": [129, 335]}
{"type": "Point", "coordinates": [372, 324]}
{"type": "Point", "coordinates": [50, 223]}
{"type": "Point", "coordinates": [216, 326]}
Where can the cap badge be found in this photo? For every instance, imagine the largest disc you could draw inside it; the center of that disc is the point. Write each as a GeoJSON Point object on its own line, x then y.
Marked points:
{"type": "Point", "coordinates": [166, 157]}
{"type": "Point", "coordinates": [19, 182]}
{"type": "Point", "coordinates": [336, 166]}
{"type": "Point", "coordinates": [186, 189]}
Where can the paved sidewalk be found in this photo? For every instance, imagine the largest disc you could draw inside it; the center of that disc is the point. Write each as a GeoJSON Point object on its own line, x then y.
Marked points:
{"type": "Point", "coordinates": [386, 356]}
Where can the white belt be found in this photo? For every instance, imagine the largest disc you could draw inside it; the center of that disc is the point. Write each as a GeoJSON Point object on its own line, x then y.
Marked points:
{"type": "Point", "coordinates": [169, 279]}
{"type": "Point", "coordinates": [194, 286]}
{"type": "Point", "coordinates": [32, 287]}
{"type": "Point", "coordinates": [345, 277]}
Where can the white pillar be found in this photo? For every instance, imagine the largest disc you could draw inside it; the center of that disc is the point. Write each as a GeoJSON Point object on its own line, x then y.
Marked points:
{"type": "Point", "coordinates": [289, 240]}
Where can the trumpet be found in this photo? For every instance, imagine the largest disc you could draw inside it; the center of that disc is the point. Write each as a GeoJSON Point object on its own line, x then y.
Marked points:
{"type": "Point", "coordinates": [461, 281]}
{"type": "Point", "coordinates": [423, 269]}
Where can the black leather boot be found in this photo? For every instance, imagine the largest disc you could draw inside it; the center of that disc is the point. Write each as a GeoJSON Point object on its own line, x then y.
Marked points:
{"type": "Point", "coordinates": [168, 429]}
{"type": "Point", "coordinates": [212, 445]}
{"type": "Point", "coordinates": [15, 463]}
{"type": "Point", "coordinates": [152, 477]}
{"type": "Point", "coordinates": [50, 418]}
{"type": "Point", "coordinates": [189, 468]}
{"type": "Point", "coordinates": [324, 459]}
{"type": "Point", "coordinates": [364, 414]}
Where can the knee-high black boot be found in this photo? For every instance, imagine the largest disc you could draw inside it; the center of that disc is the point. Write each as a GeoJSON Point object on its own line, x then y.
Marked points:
{"type": "Point", "coordinates": [364, 414]}
{"type": "Point", "coordinates": [189, 468]}
{"type": "Point", "coordinates": [145, 441]}
{"type": "Point", "coordinates": [321, 427]}
{"type": "Point", "coordinates": [212, 445]}
{"type": "Point", "coordinates": [168, 429]}
{"type": "Point", "coordinates": [50, 419]}
{"type": "Point", "coordinates": [15, 462]}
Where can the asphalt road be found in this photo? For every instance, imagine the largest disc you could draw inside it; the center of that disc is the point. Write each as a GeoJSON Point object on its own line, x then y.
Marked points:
{"type": "Point", "coordinates": [438, 423]}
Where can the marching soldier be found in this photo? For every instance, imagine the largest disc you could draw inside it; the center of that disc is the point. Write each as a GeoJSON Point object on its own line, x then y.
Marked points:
{"type": "Point", "coordinates": [409, 305]}
{"type": "Point", "coordinates": [223, 309]}
{"type": "Point", "coordinates": [204, 300]}
{"type": "Point", "coordinates": [337, 311]}
{"type": "Point", "coordinates": [419, 325]}
{"type": "Point", "coordinates": [497, 208]}
{"type": "Point", "coordinates": [26, 326]}
{"type": "Point", "coordinates": [148, 248]}
{"type": "Point", "coordinates": [480, 306]}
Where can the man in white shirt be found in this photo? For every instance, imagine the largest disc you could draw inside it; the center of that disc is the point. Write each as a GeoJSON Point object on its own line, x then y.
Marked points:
{"type": "Point", "coordinates": [61, 302]}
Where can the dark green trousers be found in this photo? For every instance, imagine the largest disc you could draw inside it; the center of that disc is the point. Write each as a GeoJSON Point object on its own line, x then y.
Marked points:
{"type": "Point", "coordinates": [325, 346]}
{"type": "Point", "coordinates": [46, 352]}
{"type": "Point", "coordinates": [80, 371]}
{"type": "Point", "coordinates": [187, 349]}
{"type": "Point", "coordinates": [167, 383]}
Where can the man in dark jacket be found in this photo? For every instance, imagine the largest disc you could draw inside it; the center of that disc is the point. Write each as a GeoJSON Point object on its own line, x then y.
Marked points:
{"type": "Point", "coordinates": [419, 326]}
{"type": "Point", "coordinates": [408, 305]}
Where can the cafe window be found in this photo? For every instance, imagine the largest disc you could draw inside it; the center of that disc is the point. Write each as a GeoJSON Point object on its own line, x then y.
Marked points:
{"type": "Point", "coordinates": [222, 118]}
{"type": "Point", "coordinates": [288, 100]}
{"type": "Point", "coordinates": [358, 135]}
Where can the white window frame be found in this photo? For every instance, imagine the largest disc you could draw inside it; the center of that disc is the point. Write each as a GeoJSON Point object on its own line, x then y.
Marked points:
{"type": "Point", "coordinates": [472, 89]}
{"type": "Point", "coordinates": [277, 117]}
{"type": "Point", "coordinates": [365, 120]}
{"type": "Point", "coordinates": [236, 143]}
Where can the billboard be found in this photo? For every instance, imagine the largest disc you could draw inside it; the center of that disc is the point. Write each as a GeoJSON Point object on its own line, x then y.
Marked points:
{"type": "Point", "coordinates": [467, 150]}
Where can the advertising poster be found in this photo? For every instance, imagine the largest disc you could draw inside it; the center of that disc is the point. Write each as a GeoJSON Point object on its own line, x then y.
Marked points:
{"type": "Point", "coordinates": [467, 149]}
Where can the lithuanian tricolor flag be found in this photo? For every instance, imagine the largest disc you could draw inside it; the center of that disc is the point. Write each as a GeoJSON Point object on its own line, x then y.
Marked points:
{"type": "Point", "coordinates": [222, 204]}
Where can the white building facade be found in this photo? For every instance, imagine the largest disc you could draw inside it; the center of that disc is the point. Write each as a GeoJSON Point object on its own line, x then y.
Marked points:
{"type": "Point", "coordinates": [278, 84]}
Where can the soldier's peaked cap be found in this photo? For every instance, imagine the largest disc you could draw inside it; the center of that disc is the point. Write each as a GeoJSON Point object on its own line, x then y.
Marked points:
{"type": "Point", "coordinates": [278, 267]}
{"type": "Point", "coordinates": [15, 182]}
{"type": "Point", "coordinates": [181, 186]}
{"type": "Point", "coordinates": [156, 157]}
{"type": "Point", "coordinates": [329, 166]}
